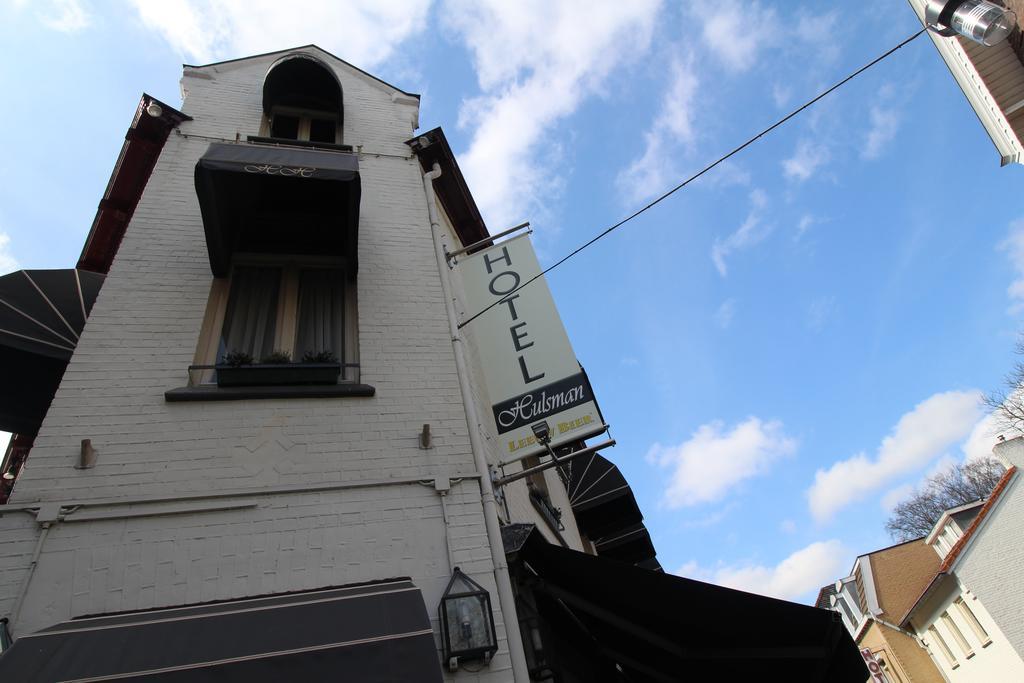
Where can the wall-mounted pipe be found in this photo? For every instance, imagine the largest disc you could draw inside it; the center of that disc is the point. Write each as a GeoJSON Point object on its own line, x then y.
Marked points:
{"type": "Point", "coordinates": [506, 598]}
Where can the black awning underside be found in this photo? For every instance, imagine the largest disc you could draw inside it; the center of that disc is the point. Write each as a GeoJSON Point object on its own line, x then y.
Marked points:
{"type": "Point", "coordinates": [632, 544]}
{"type": "Point", "coordinates": [42, 314]}
{"type": "Point", "coordinates": [377, 632]}
{"type": "Point", "coordinates": [601, 617]}
{"type": "Point", "coordinates": [278, 200]}
{"type": "Point", "coordinates": [601, 498]}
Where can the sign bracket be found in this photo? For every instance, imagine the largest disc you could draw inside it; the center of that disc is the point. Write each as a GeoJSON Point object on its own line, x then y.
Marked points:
{"type": "Point", "coordinates": [555, 460]}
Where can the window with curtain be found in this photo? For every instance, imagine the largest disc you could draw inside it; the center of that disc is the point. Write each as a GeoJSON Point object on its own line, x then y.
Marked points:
{"type": "Point", "coordinates": [298, 309]}
{"type": "Point", "coordinates": [250, 321]}
{"type": "Point", "coordinates": [321, 314]}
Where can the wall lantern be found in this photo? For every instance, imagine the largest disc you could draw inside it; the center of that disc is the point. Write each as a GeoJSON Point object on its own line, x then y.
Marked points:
{"type": "Point", "coordinates": [5, 635]}
{"type": "Point", "coordinates": [467, 622]}
{"type": "Point", "coordinates": [987, 22]}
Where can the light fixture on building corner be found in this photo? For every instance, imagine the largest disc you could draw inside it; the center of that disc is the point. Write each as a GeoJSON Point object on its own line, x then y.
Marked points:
{"type": "Point", "coordinates": [542, 432]}
{"type": "Point", "coordinates": [467, 621]}
{"type": "Point", "coordinates": [154, 109]}
{"type": "Point", "coordinates": [987, 22]}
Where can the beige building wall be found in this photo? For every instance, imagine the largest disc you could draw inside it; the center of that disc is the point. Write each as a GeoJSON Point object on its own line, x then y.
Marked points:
{"type": "Point", "coordinates": [903, 659]}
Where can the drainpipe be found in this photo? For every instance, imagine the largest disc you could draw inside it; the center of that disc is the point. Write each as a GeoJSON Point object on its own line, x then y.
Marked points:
{"type": "Point", "coordinates": [520, 670]}
{"type": "Point", "coordinates": [23, 589]}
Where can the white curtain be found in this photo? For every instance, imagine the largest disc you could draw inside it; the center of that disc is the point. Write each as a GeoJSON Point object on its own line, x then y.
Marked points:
{"type": "Point", "coordinates": [321, 312]}
{"type": "Point", "coordinates": [251, 317]}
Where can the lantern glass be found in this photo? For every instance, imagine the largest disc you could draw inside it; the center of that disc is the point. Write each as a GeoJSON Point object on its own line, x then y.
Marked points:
{"type": "Point", "coordinates": [467, 619]}
{"type": "Point", "coordinates": [468, 623]}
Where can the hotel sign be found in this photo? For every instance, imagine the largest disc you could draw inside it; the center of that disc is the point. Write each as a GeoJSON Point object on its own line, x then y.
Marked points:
{"type": "Point", "coordinates": [529, 366]}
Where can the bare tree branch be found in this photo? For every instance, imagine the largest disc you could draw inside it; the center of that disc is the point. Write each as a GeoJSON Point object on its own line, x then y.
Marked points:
{"type": "Point", "coordinates": [961, 484]}
{"type": "Point", "coordinates": [1007, 404]}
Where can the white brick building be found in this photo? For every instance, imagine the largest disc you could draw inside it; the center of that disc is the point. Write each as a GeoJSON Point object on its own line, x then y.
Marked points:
{"type": "Point", "coordinates": [968, 617]}
{"type": "Point", "coordinates": [194, 501]}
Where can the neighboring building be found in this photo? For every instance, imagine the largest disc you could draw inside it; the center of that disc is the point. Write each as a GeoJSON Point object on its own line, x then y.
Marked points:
{"type": "Point", "coordinates": [969, 615]}
{"type": "Point", "coordinates": [879, 590]}
{"type": "Point", "coordinates": [992, 79]}
{"type": "Point", "coordinates": [178, 516]}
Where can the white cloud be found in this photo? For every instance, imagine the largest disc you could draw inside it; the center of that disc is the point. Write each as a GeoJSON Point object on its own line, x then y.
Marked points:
{"type": "Point", "coordinates": [751, 231]}
{"type": "Point", "coordinates": [819, 30]}
{"type": "Point", "coordinates": [918, 438]}
{"type": "Point", "coordinates": [7, 261]}
{"type": "Point", "coordinates": [819, 312]}
{"type": "Point", "coordinates": [708, 520]}
{"type": "Point", "coordinates": [535, 61]}
{"type": "Point", "coordinates": [364, 32]}
{"type": "Point", "coordinates": [892, 497]}
{"type": "Point", "coordinates": [725, 313]}
{"type": "Point", "coordinates": [807, 221]}
{"type": "Point", "coordinates": [653, 172]}
{"type": "Point", "coordinates": [884, 124]}
{"type": "Point", "coordinates": [66, 16]}
{"type": "Point", "coordinates": [781, 94]}
{"type": "Point", "coordinates": [800, 575]}
{"type": "Point", "coordinates": [806, 159]}
{"type": "Point", "coordinates": [982, 439]}
{"type": "Point", "coordinates": [1014, 246]}
{"type": "Point", "coordinates": [714, 460]}
{"type": "Point", "coordinates": [736, 33]}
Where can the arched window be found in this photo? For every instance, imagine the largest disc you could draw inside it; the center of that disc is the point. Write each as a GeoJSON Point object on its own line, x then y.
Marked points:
{"type": "Point", "coordinates": [302, 100]}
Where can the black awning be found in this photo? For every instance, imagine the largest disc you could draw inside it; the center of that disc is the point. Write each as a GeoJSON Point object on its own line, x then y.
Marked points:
{"type": "Point", "coordinates": [632, 544]}
{"type": "Point", "coordinates": [278, 199]}
{"type": "Point", "coordinates": [600, 497]}
{"type": "Point", "coordinates": [42, 313]}
{"type": "Point", "coordinates": [600, 616]}
{"type": "Point", "coordinates": [377, 632]}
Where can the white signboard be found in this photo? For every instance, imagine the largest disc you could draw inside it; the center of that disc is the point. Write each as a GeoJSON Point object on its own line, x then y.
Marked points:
{"type": "Point", "coordinates": [529, 366]}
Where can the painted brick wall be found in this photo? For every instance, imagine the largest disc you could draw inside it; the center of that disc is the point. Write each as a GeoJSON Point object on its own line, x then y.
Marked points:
{"type": "Point", "coordinates": [990, 565]}
{"type": "Point", "coordinates": [139, 340]}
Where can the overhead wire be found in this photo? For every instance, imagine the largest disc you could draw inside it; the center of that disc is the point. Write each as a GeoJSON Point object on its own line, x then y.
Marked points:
{"type": "Point", "coordinates": [698, 174]}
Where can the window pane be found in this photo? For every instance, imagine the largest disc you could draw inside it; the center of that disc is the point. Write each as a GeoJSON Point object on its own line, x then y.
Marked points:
{"type": "Point", "coordinates": [321, 130]}
{"type": "Point", "coordinates": [284, 126]}
{"type": "Point", "coordinates": [251, 317]}
{"type": "Point", "coordinates": [321, 312]}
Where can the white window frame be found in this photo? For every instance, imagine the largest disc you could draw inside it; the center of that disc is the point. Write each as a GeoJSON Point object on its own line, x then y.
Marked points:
{"type": "Point", "coordinates": [935, 637]}
{"type": "Point", "coordinates": [958, 635]}
{"type": "Point", "coordinates": [972, 621]}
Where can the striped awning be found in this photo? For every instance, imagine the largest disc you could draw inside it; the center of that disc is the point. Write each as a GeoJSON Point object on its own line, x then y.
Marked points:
{"type": "Point", "coordinates": [607, 512]}
{"type": "Point", "coordinates": [42, 313]}
{"type": "Point", "coordinates": [369, 633]}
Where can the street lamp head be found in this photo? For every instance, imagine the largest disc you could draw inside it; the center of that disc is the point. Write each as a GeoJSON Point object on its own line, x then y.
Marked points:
{"type": "Point", "coordinates": [986, 22]}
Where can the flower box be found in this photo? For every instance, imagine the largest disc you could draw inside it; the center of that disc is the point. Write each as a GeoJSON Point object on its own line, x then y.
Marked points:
{"type": "Point", "coordinates": [274, 374]}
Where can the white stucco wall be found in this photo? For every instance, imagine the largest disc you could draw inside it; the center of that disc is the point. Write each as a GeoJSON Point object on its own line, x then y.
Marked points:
{"type": "Point", "coordinates": [995, 661]}
{"type": "Point", "coordinates": [271, 535]}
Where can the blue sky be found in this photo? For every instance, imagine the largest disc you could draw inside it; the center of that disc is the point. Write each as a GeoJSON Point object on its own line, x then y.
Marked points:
{"type": "Point", "coordinates": [782, 348]}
